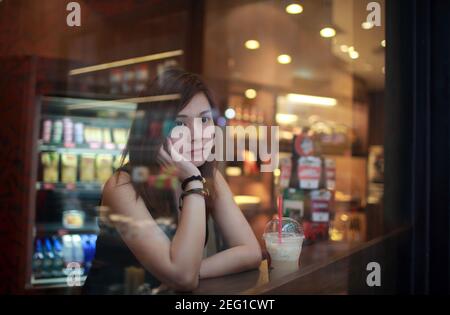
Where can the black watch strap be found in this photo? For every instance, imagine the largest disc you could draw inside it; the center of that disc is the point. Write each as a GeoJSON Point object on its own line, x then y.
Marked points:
{"type": "Point", "coordinates": [190, 179]}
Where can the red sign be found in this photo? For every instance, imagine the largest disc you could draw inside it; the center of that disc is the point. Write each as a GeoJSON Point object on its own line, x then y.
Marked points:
{"type": "Point", "coordinates": [308, 172]}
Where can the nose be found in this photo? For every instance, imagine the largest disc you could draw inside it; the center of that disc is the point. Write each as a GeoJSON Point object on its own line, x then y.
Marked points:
{"type": "Point", "coordinates": [196, 129]}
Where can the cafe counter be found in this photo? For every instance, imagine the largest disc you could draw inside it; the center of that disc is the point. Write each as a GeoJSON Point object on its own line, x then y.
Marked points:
{"type": "Point", "coordinates": [325, 268]}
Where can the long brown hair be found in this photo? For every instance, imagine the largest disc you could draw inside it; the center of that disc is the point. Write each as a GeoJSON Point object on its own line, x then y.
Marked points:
{"type": "Point", "coordinates": [169, 93]}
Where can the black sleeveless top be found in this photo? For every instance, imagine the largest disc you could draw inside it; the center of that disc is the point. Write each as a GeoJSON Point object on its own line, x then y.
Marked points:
{"type": "Point", "coordinates": [112, 258]}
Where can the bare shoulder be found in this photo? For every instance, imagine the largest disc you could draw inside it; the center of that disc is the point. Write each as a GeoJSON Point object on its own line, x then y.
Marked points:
{"type": "Point", "coordinates": [118, 189]}
{"type": "Point", "coordinates": [117, 181]}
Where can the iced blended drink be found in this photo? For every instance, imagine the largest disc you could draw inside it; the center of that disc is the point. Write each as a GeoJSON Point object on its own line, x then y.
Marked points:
{"type": "Point", "coordinates": [284, 253]}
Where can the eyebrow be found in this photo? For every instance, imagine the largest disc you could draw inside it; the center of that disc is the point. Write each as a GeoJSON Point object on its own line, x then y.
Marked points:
{"type": "Point", "coordinates": [204, 112]}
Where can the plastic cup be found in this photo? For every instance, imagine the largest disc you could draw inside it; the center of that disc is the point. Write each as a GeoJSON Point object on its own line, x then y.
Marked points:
{"type": "Point", "coordinates": [285, 251]}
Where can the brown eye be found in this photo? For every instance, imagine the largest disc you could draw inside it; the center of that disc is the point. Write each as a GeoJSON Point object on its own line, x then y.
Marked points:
{"type": "Point", "coordinates": [206, 119]}
{"type": "Point", "coordinates": [179, 123]}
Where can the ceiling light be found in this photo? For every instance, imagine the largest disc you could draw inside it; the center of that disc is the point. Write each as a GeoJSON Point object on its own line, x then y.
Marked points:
{"type": "Point", "coordinates": [367, 25]}
{"type": "Point", "coordinates": [250, 93]}
{"type": "Point", "coordinates": [344, 48]}
{"type": "Point", "coordinates": [247, 200]}
{"type": "Point", "coordinates": [354, 54]}
{"type": "Point", "coordinates": [252, 44]}
{"type": "Point", "coordinates": [286, 118]}
{"type": "Point", "coordinates": [127, 62]}
{"type": "Point", "coordinates": [328, 32]}
{"type": "Point", "coordinates": [287, 135]}
{"type": "Point", "coordinates": [123, 103]}
{"type": "Point", "coordinates": [284, 59]}
{"type": "Point", "coordinates": [233, 171]}
{"type": "Point", "coordinates": [294, 8]}
{"type": "Point", "coordinates": [311, 100]}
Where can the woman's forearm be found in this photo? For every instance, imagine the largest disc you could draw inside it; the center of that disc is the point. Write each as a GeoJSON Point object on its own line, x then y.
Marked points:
{"type": "Point", "coordinates": [188, 242]}
{"type": "Point", "coordinates": [232, 260]}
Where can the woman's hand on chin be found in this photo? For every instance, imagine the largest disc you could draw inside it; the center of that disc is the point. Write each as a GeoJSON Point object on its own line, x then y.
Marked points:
{"type": "Point", "coordinates": [184, 167]}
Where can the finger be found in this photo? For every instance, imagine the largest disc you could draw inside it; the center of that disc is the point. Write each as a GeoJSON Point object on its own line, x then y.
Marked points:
{"type": "Point", "coordinates": [160, 162]}
{"type": "Point", "coordinates": [174, 155]}
{"type": "Point", "coordinates": [165, 156]}
{"type": "Point", "coordinates": [170, 148]}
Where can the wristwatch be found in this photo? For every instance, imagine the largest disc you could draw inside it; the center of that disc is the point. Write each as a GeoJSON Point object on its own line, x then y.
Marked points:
{"type": "Point", "coordinates": [200, 191]}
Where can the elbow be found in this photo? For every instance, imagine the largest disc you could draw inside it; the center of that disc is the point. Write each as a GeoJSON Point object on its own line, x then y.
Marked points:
{"type": "Point", "coordinates": [186, 282]}
{"type": "Point", "coordinates": [254, 257]}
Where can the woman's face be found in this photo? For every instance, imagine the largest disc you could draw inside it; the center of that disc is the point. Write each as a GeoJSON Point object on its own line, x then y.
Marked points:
{"type": "Point", "coordinates": [195, 116]}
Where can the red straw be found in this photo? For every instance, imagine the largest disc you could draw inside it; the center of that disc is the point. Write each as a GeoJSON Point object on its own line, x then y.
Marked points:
{"type": "Point", "coordinates": [280, 216]}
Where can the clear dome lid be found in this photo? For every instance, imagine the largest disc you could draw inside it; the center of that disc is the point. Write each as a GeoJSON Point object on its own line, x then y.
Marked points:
{"type": "Point", "coordinates": [289, 226]}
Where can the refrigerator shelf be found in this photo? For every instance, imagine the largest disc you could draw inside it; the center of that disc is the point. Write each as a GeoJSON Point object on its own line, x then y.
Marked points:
{"type": "Point", "coordinates": [92, 149]}
{"type": "Point", "coordinates": [58, 228]}
{"type": "Point", "coordinates": [53, 282]}
{"type": "Point", "coordinates": [79, 186]}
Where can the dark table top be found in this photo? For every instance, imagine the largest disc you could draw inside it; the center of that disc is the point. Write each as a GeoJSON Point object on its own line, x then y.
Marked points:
{"type": "Point", "coordinates": [262, 281]}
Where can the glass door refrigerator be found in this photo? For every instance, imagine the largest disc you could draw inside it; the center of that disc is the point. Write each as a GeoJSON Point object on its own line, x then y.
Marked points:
{"type": "Point", "coordinates": [79, 146]}
{"type": "Point", "coordinates": [81, 128]}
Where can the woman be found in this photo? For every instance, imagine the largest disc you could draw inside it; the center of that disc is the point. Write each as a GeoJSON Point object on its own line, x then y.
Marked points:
{"type": "Point", "coordinates": [172, 258]}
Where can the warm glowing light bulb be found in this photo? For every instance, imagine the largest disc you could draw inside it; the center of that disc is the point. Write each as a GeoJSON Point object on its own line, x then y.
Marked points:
{"type": "Point", "coordinates": [284, 59]}
{"type": "Point", "coordinates": [285, 118]}
{"type": "Point", "coordinates": [354, 54]}
{"type": "Point", "coordinates": [252, 44]}
{"type": "Point", "coordinates": [250, 93]}
{"type": "Point", "coordinates": [230, 113]}
{"type": "Point", "coordinates": [294, 8]}
{"type": "Point", "coordinates": [344, 48]}
{"type": "Point", "coordinates": [328, 32]}
{"type": "Point", "coordinates": [367, 25]}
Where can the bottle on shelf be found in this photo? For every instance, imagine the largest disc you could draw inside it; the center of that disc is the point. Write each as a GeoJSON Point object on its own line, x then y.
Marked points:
{"type": "Point", "coordinates": [58, 263]}
{"type": "Point", "coordinates": [79, 133]}
{"type": "Point", "coordinates": [46, 131]}
{"type": "Point", "coordinates": [67, 250]}
{"type": "Point", "coordinates": [38, 260]}
{"type": "Point", "coordinates": [88, 243]}
{"type": "Point", "coordinates": [77, 247]}
{"type": "Point", "coordinates": [57, 132]}
{"type": "Point", "coordinates": [49, 257]}
{"type": "Point", "coordinates": [68, 131]}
